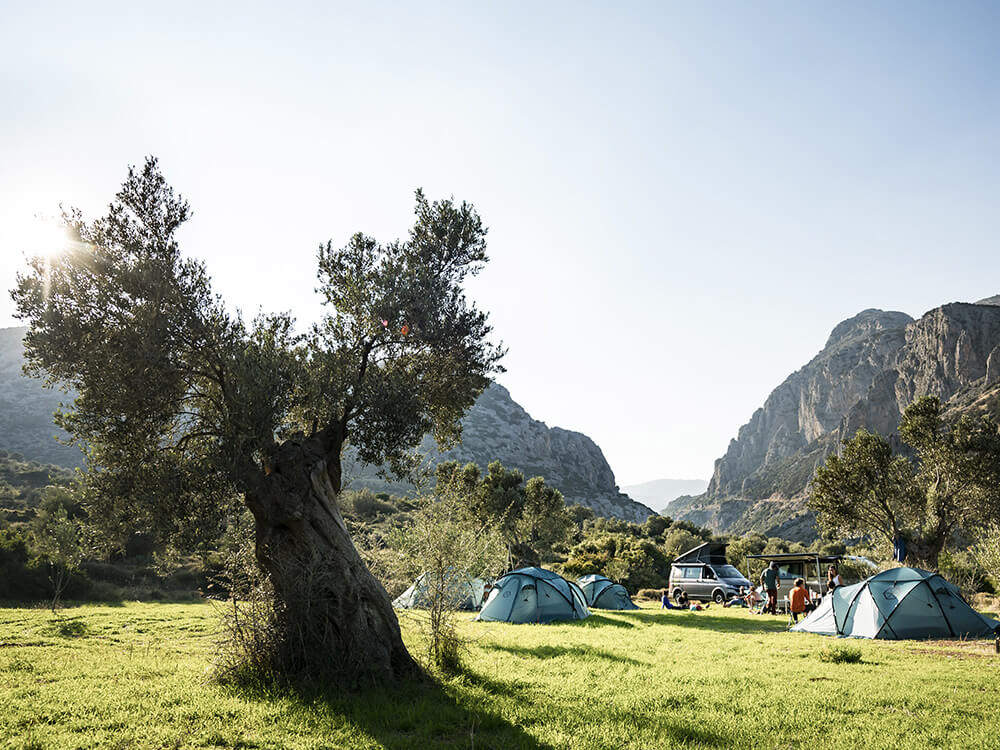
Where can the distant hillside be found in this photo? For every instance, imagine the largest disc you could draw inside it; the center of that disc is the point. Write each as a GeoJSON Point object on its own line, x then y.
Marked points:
{"type": "Point", "coordinates": [498, 428]}
{"type": "Point", "coordinates": [495, 428]}
{"type": "Point", "coordinates": [872, 367]}
{"type": "Point", "coordinates": [659, 493]}
{"type": "Point", "coordinates": [26, 409]}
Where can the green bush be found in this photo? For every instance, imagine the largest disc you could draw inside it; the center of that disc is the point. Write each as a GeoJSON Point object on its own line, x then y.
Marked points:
{"type": "Point", "coordinates": [840, 655]}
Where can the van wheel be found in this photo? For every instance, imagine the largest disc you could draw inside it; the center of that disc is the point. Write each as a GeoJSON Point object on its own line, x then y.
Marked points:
{"type": "Point", "coordinates": [718, 596]}
{"type": "Point", "coordinates": [677, 595]}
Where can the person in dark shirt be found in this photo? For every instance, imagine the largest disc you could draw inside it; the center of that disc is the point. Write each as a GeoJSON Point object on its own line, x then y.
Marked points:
{"type": "Point", "coordinates": [769, 580]}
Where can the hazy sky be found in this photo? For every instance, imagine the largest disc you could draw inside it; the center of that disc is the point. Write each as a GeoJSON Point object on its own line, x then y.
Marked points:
{"type": "Point", "coordinates": [683, 198]}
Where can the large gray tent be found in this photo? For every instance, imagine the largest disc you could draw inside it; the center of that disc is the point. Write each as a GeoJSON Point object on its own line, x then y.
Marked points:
{"type": "Point", "coordinates": [534, 595]}
{"type": "Point", "coordinates": [897, 604]}
{"type": "Point", "coordinates": [603, 593]}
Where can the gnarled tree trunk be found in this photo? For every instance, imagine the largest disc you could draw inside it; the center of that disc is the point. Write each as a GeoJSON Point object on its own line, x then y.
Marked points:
{"type": "Point", "coordinates": [333, 617]}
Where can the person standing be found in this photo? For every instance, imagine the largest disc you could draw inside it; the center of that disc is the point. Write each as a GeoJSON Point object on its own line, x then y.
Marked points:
{"type": "Point", "coordinates": [798, 598]}
{"type": "Point", "coordinates": [769, 580]}
{"type": "Point", "coordinates": [833, 578]}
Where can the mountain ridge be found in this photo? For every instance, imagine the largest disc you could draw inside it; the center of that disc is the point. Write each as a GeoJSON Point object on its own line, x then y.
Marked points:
{"type": "Point", "coordinates": [872, 366]}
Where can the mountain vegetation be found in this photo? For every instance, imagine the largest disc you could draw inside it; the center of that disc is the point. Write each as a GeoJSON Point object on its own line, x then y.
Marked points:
{"type": "Point", "coordinates": [495, 428]}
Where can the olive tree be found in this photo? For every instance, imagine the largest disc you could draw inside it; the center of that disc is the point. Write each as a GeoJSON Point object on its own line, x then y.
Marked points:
{"type": "Point", "coordinates": [951, 483]}
{"type": "Point", "coordinates": [182, 406]}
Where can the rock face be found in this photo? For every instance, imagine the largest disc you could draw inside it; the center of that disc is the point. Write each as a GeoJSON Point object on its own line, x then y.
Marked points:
{"type": "Point", "coordinates": [26, 409]}
{"type": "Point", "coordinates": [872, 367]}
{"type": "Point", "coordinates": [496, 428]}
{"type": "Point", "coordinates": [812, 401]}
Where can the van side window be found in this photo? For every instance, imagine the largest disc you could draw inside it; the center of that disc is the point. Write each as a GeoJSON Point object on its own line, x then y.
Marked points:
{"type": "Point", "coordinates": [691, 572]}
{"type": "Point", "coordinates": [708, 574]}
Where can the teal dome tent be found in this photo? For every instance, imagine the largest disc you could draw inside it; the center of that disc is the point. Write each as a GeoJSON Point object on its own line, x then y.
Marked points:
{"type": "Point", "coordinates": [534, 595]}
{"type": "Point", "coordinates": [897, 604]}
{"type": "Point", "coordinates": [603, 593]}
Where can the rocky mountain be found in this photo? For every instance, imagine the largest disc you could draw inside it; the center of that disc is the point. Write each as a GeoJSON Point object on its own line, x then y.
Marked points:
{"type": "Point", "coordinates": [872, 366]}
{"type": "Point", "coordinates": [496, 428]}
{"type": "Point", "coordinates": [659, 493]}
{"type": "Point", "coordinates": [26, 409]}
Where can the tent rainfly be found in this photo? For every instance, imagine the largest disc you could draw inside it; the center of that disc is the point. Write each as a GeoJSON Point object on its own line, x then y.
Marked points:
{"type": "Point", "coordinates": [462, 592]}
{"type": "Point", "coordinates": [534, 595]}
{"type": "Point", "coordinates": [603, 593]}
{"type": "Point", "coordinates": [897, 604]}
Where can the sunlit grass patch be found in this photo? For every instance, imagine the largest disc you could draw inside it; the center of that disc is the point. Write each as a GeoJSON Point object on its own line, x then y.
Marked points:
{"type": "Point", "coordinates": [139, 675]}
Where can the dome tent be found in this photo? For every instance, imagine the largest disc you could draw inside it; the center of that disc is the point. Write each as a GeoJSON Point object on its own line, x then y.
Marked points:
{"type": "Point", "coordinates": [897, 604]}
{"type": "Point", "coordinates": [603, 593]}
{"type": "Point", "coordinates": [463, 593]}
{"type": "Point", "coordinates": [534, 595]}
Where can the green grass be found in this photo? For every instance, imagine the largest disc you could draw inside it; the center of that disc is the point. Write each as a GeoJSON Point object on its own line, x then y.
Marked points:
{"type": "Point", "coordinates": [138, 676]}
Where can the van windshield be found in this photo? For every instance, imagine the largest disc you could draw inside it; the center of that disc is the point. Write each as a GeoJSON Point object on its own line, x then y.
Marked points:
{"type": "Point", "coordinates": [727, 571]}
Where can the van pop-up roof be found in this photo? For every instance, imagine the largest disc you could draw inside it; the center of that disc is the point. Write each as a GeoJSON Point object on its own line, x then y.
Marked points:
{"type": "Point", "coordinates": [712, 553]}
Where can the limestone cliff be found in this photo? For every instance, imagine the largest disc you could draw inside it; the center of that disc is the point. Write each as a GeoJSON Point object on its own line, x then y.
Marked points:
{"type": "Point", "coordinates": [812, 401]}
{"type": "Point", "coordinates": [872, 367]}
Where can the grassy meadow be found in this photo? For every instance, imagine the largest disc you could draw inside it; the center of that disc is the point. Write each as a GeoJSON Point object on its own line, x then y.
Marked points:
{"type": "Point", "coordinates": [138, 675]}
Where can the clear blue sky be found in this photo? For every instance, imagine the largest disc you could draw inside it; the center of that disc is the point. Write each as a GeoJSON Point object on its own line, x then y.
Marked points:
{"type": "Point", "coordinates": [683, 198]}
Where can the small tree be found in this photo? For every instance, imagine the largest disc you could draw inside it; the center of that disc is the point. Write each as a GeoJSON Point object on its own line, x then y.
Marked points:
{"type": "Point", "coordinates": [447, 549]}
{"type": "Point", "coordinates": [58, 539]}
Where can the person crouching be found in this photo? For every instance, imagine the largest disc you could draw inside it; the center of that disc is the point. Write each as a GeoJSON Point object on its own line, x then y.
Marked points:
{"type": "Point", "coordinates": [798, 599]}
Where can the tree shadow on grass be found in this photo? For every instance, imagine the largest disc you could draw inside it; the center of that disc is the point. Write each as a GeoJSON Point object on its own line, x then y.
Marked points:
{"type": "Point", "coordinates": [418, 714]}
{"type": "Point", "coordinates": [548, 652]}
{"type": "Point", "coordinates": [705, 620]}
{"type": "Point", "coordinates": [597, 621]}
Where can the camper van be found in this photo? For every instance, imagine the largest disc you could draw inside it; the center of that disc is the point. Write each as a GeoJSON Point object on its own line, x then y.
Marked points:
{"type": "Point", "coordinates": [810, 566]}
{"type": "Point", "coordinates": [703, 573]}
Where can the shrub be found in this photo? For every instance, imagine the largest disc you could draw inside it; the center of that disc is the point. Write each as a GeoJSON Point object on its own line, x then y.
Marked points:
{"type": "Point", "coordinates": [841, 655]}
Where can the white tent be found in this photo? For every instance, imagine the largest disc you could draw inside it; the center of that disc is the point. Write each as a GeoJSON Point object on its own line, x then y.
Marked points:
{"type": "Point", "coordinates": [462, 592]}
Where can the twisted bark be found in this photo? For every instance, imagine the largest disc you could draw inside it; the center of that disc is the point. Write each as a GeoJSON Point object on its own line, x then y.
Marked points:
{"type": "Point", "coordinates": [333, 616]}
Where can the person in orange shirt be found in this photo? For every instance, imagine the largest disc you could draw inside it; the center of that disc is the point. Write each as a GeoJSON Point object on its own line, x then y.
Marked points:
{"type": "Point", "coordinates": [798, 598]}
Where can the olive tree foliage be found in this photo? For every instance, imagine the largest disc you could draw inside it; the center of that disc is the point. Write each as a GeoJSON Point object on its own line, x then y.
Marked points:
{"type": "Point", "coordinates": [183, 406]}
{"type": "Point", "coordinates": [952, 483]}
{"type": "Point", "coordinates": [986, 552]}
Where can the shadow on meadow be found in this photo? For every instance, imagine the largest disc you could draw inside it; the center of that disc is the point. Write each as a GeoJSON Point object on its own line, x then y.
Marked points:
{"type": "Point", "coordinates": [548, 652]}
{"type": "Point", "coordinates": [706, 620]}
{"type": "Point", "coordinates": [425, 713]}
{"type": "Point", "coordinates": [597, 621]}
